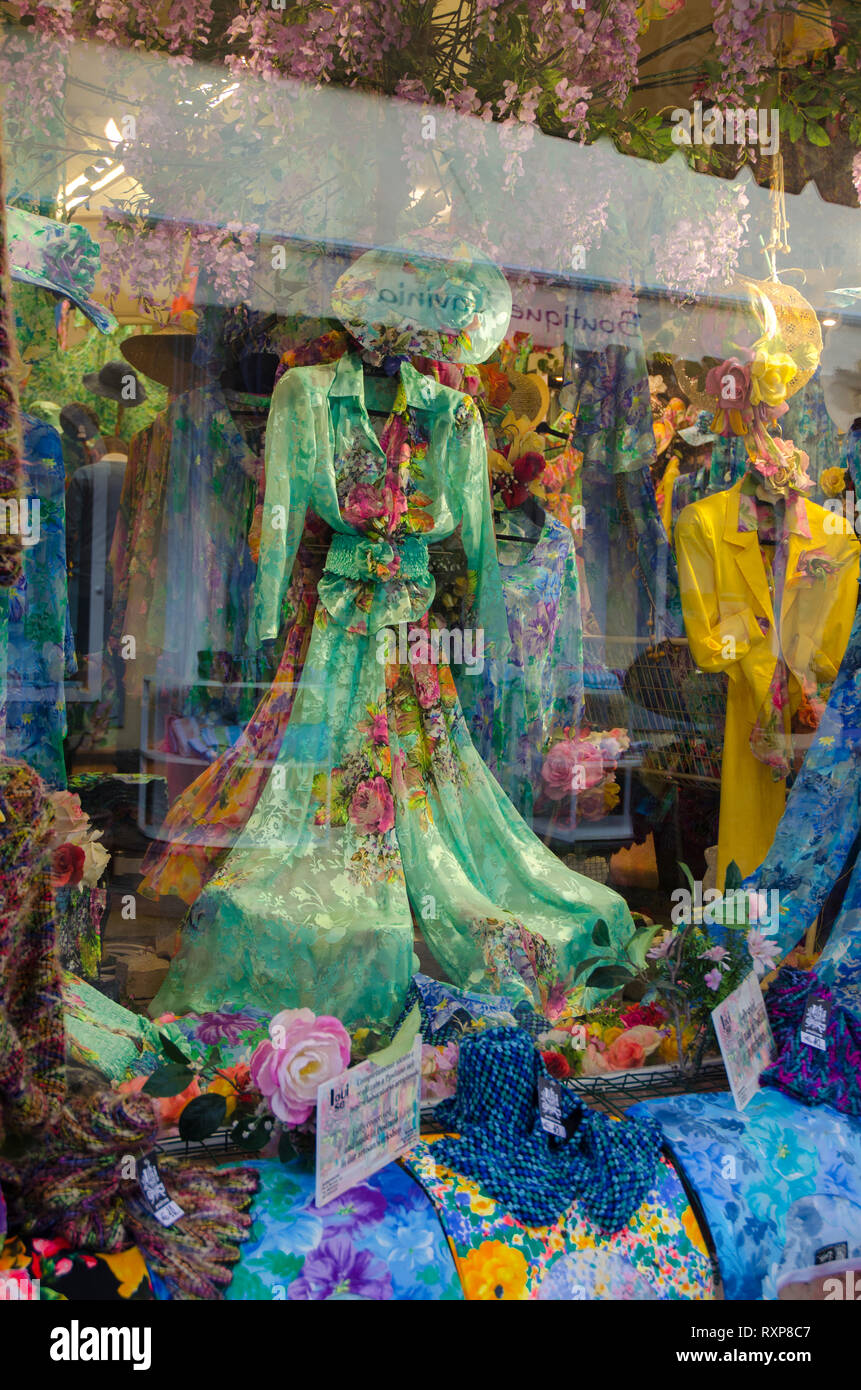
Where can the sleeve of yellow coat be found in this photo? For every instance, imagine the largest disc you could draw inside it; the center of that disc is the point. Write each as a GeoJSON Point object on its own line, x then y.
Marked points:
{"type": "Point", "coordinates": [715, 641]}
{"type": "Point", "coordinates": [829, 642]}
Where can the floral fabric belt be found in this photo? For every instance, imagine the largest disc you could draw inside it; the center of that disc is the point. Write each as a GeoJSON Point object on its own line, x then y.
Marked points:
{"type": "Point", "coordinates": [355, 557]}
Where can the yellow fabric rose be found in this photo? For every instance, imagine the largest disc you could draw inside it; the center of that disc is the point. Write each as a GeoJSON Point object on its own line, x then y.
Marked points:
{"type": "Point", "coordinates": [770, 374]}
{"type": "Point", "coordinates": [609, 1035]}
{"type": "Point", "coordinates": [494, 1271]}
{"type": "Point", "coordinates": [220, 1086]}
{"type": "Point", "coordinates": [832, 481]}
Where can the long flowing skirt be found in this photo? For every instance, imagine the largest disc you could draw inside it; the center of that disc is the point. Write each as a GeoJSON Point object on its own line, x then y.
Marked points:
{"type": "Point", "coordinates": [379, 816]}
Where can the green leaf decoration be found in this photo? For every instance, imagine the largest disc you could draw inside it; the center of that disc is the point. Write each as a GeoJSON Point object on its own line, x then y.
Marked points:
{"type": "Point", "coordinates": [609, 977]}
{"type": "Point", "coordinates": [601, 933]}
{"type": "Point", "coordinates": [733, 878]}
{"type": "Point", "coordinates": [171, 1050]}
{"type": "Point", "coordinates": [286, 1148]}
{"type": "Point", "coordinates": [252, 1132]}
{"type": "Point", "coordinates": [202, 1116]}
{"type": "Point", "coordinates": [585, 964]}
{"type": "Point", "coordinates": [168, 1081]}
{"type": "Point", "coordinates": [688, 875]}
{"type": "Point", "coordinates": [816, 135]}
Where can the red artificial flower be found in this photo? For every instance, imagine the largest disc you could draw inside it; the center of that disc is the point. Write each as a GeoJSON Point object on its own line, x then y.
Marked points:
{"type": "Point", "coordinates": [514, 494]}
{"type": "Point", "coordinates": [67, 865]}
{"type": "Point", "coordinates": [644, 1015]}
{"type": "Point", "coordinates": [556, 1065]}
{"type": "Point", "coordinates": [528, 466]}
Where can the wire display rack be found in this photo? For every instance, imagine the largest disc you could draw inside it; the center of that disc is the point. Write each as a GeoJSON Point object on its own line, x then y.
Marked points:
{"type": "Point", "coordinates": [616, 1092]}
{"type": "Point", "coordinates": [674, 712]}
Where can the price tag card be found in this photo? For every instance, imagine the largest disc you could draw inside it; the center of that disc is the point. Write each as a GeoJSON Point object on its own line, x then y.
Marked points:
{"type": "Point", "coordinates": [550, 1107]}
{"type": "Point", "coordinates": [155, 1194]}
{"type": "Point", "coordinates": [365, 1120]}
{"type": "Point", "coordinates": [814, 1024]}
{"type": "Point", "coordinates": [746, 1044]}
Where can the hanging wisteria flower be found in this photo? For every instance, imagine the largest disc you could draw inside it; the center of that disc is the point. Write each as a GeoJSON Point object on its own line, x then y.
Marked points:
{"type": "Point", "coordinates": [702, 250]}
{"type": "Point", "coordinates": [856, 174]}
{"type": "Point", "coordinates": [744, 50]}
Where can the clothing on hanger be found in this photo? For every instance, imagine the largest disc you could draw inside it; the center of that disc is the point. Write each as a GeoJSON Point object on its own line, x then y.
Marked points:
{"type": "Point", "coordinates": [514, 702]}
{"type": "Point", "coordinates": [781, 644]}
{"type": "Point", "coordinates": [378, 812]}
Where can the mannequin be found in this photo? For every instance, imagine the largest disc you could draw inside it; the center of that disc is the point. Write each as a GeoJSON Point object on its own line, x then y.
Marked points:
{"type": "Point", "coordinates": [768, 594]}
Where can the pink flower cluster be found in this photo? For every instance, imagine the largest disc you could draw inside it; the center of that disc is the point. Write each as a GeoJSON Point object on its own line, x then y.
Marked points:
{"type": "Point", "coordinates": [741, 32]}
{"type": "Point", "coordinates": [702, 249]}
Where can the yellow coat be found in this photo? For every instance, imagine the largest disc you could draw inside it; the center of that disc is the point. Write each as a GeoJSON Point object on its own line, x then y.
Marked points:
{"type": "Point", "coordinates": [724, 590]}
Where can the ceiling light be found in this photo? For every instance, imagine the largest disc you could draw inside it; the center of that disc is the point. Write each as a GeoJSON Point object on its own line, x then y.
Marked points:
{"type": "Point", "coordinates": [113, 132]}
{"type": "Point", "coordinates": [76, 183]}
{"type": "Point", "coordinates": [829, 322]}
{"type": "Point", "coordinates": [108, 178]}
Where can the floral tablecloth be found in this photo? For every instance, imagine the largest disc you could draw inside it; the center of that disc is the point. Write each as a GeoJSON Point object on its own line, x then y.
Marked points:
{"type": "Point", "coordinates": [660, 1254]}
{"type": "Point", "coordinates": [749, 1168]}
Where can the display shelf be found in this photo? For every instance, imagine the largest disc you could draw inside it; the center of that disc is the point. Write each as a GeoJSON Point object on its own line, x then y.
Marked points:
{"type": "Point", "coordinates": [616, 1091]}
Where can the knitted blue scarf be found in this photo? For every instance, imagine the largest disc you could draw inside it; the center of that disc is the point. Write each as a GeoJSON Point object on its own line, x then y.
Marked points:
{"type": "Point", "coordinates": [609, 1167]}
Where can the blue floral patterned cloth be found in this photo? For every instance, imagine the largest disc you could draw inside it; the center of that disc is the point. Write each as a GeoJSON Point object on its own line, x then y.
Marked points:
{"type": "Point", "coordinates": [35, 631]}
{"type": "Point", "coordinates": [748, 1169]}
{"type": "Point", "coordinates": [381, 1240]}
{"type": "Point", "coordinates": [823, 818]}
{"type": "Point", "coordinates": [512, 706]}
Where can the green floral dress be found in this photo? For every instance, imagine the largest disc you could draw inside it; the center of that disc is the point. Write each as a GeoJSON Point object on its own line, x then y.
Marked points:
{"type": "Point", "coordinates": [378, 812]}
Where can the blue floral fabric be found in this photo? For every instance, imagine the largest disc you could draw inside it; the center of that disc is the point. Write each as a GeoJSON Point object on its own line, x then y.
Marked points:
{"type": "Point", "coordinates": [382, 1240]}
{"type": "Point", "coordinates": [204, 552]}
{"type": "Point", "coordinates": [35, 631]}
{"type": "Point", "coordinates": [512, 706]}
{"type": "Point", "coordinates": [748, 1169]}
{"type": "Point", "coordinates": [823, 818]}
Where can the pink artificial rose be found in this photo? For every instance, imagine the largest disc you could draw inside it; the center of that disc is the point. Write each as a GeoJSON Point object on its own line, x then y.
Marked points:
{"type": "Point", "coordinates": [730, 382]}
{"type": "Point", "coordinates": [363, 504]}
{"type": "Point", "coordinates": [594, 1062]}
{"type": "Point", "coordinates": [624, 1053]}
{"type": "Point", "coordinates": [372, 809]}
{"type": "Point", "coordinates": [70, 818]}
{"type": "Point", "coordinates": [301, 1052]}
{"type": "Point", "coordinates": [571, 765]}
{"type": "Point", "coordinates": [439, 1070]}
{"type": "Point", "coordinates": [645, 1036]}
